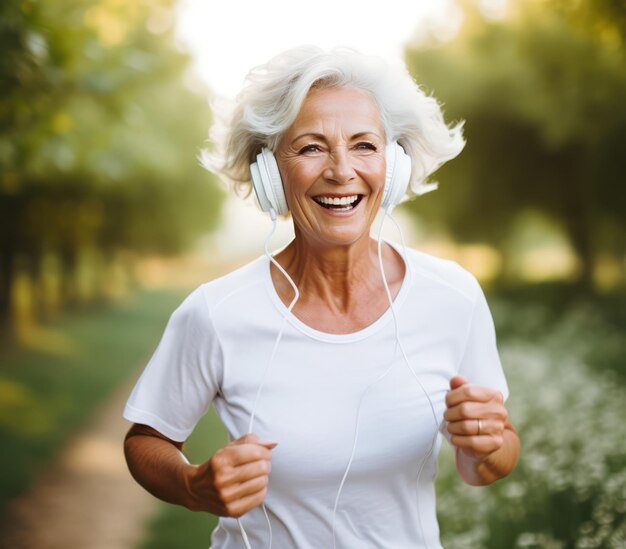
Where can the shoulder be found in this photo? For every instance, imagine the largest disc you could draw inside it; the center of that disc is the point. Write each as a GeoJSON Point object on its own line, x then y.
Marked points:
{"type": "Point", "coordinates": [208, 297]}
{"type": "Point", "coordinates": [447, 274]}
{"type": "Point", "coordinates": [197, 311]}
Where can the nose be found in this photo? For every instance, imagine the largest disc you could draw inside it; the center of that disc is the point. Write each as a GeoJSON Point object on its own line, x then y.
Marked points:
{"type": "Point", "coordinates": [339, 169]}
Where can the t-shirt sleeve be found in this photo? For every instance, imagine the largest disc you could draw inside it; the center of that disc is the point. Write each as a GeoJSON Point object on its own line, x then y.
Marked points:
{"type": "Point", "coordinates": [480, 362]}
{"type": "Point", "coordinates": [183, 375]}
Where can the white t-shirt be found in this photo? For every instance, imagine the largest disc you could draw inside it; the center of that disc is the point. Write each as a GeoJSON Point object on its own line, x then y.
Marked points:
{"type": "Point", "coordinates": [216, 348]}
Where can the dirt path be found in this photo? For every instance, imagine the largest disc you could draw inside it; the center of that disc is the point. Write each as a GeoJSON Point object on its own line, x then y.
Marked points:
{"type": "Point", "coordinates": [87, 499]}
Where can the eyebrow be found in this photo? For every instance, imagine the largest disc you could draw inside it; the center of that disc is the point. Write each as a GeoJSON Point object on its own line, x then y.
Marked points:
{"type": "Point", "coordinates": [322, 137]}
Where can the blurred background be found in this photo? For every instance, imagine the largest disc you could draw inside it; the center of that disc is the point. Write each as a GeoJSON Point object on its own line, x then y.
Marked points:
{"type": "Point", "coordinates": [107, 222]}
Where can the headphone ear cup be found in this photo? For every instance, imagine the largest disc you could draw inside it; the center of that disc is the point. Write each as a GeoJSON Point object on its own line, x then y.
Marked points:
{"type": "Point", "coordinates": [398, 174]}
{"type": "Point", "coordinates": [267, 183]}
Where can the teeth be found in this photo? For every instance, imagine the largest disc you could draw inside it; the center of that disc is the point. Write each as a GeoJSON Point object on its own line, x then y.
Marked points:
{"type": "Point", "coordinates": [343, 201]}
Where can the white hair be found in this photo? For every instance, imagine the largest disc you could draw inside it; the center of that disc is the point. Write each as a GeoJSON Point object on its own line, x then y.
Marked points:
{"type": "Point", "coordinates": [273, 94]}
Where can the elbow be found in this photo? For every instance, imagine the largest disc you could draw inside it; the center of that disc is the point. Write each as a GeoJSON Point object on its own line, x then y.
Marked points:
{"type": "Point", "coordinates": [131, 447]}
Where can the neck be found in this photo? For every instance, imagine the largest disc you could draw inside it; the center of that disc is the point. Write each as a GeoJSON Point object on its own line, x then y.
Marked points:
{"type": "Point", "coordinates": [341, 275]}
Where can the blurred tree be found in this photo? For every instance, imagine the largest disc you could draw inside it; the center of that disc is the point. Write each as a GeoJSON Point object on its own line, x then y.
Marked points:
{"type": "Point", "coordinates": [542, 92]}
{"type": "Point", "coordinates": [98, 134]}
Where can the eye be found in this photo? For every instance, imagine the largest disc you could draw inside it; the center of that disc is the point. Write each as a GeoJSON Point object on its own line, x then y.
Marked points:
{"type": "Point", "coordinates": [365, 146]}
{"type": "Point", "coordinates": [309, 149]}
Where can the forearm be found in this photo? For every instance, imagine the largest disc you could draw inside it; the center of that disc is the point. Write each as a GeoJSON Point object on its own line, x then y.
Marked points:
{"type": "Point", "coordinates": [498, 464]}
{"type": "Point", "coordinates": [159, 466]}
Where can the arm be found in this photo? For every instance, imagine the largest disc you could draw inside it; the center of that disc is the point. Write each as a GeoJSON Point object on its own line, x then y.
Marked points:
{"type": "Point", "coordinates": [230, 483]}
{"type": "Point", "coordinates": [485, 451]}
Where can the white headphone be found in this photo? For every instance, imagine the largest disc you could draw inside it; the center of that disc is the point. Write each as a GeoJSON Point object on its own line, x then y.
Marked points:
{"type": "Point", "coordinates": [269, 187]}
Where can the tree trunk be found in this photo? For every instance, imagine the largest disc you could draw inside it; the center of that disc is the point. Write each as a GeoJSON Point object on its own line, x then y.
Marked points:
{"type": "Point", "coordinates": [576, 216]}
{"type": "Point", "coordinates": [8, 214]}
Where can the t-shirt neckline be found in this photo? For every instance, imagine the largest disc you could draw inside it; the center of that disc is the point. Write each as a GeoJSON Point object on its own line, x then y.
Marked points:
{"type": "Point", "coordinates": [375, 326]}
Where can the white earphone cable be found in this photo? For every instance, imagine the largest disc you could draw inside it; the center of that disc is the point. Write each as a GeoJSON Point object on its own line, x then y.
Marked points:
{"type": "Point", "coordinates": [269, 363]}
{"type": "Point", "coordinates": [356, 438]}
{"type": "Point", "coordinates": [398, 344]}
{"type": "Point", "coordinates": [391, 305]}
{"type": "Point", "coordinates": [282, 326]}
{"type": "Point", "coordinates": [380, 378]}
{"type": "Point", "coordinates": [246, 541]}
{"type": "Point", "coordinates": [406, 360]}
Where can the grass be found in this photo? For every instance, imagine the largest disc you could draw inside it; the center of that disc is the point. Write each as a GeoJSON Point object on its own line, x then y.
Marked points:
{"type": "Point", "coordinates": [51, 383]}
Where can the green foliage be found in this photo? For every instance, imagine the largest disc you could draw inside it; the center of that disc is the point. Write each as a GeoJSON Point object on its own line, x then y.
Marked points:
{"type": "Point", "coordinates": [49, 388]}
{"type": "Point", "coordinates": [557, 315]}
{"type": "Point", "coordinates": [569, 488]}
{"type": "Point", "coordinates": [542, 97]}
{"type": "Point", "coordinates": [98, 133]}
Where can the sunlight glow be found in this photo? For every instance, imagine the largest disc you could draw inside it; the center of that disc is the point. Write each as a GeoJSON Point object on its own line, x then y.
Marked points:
{"type": "Point", "coordinates": [228, 38]}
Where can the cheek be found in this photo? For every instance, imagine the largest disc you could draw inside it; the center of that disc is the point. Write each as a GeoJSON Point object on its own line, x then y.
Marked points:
{"type": "Point", "coordinates": [298, 177]}
{"type": "Point", "coordinates": [374, 173]}
{"type": "Point", "coordinates": [294, 189]}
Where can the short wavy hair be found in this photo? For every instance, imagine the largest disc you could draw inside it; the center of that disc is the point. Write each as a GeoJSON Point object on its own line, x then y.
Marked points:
{"type": "Point", "coordinates": [273, 94]}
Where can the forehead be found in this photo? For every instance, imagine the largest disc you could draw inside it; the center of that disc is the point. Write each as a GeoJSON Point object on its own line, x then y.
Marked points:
{"type": "Point", "coordinates": [346, 109]}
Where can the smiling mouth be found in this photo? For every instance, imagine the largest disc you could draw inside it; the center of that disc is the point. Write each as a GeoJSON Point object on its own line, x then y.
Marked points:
{"type": "Point", "coordinates": [339, 204]}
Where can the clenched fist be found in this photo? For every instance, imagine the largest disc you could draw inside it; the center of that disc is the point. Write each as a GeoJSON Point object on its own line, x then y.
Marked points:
{"type": "Point", "coordinates": [476, 418]}
{"type": "Point", "coordinates": [235, 479]}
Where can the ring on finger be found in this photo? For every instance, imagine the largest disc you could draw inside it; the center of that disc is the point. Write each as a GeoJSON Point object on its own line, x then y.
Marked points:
{"type": "Point", "coordinates": [479, 428]}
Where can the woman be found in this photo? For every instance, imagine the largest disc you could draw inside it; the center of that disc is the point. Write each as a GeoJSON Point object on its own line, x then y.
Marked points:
{"type": "Point", "coordinates": [334, 399]}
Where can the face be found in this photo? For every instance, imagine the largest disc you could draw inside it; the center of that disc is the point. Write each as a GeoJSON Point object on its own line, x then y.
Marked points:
{"type": "Point", "coordinates": [332, 164]}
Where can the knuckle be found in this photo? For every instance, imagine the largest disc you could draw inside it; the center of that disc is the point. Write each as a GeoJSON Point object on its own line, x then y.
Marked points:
{"type": "Point", "coordinates": [259, 497]}
{"type": "Point", "coordinates": [223, 500]}
{"type": "Point", "coordinates": [224, 496]}
{"type": "Point", "coordinates": [216, 461]}
{"type": "Point", "coordinates": [464, 409]}
{"type": "Point", "coordinates": [500, 412]}
{"type": "Point", "coordinates": [265, 467]}
{"type": "Point", "coordinates": [220, 482]}
{"type": "Point", "coordinates": [233, 510]}
{"type": "Point", "coordinates": [250, 438]}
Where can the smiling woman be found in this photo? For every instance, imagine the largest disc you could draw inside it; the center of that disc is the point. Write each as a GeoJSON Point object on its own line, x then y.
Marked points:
{"type": "Point", "coordinates": [335, 399]}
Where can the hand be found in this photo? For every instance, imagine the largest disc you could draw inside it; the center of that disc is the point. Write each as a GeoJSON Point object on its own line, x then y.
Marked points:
{"type": "Point", "coordinates": [476, 418]}
{"type": "Point", "coordinates": [235, 479]}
